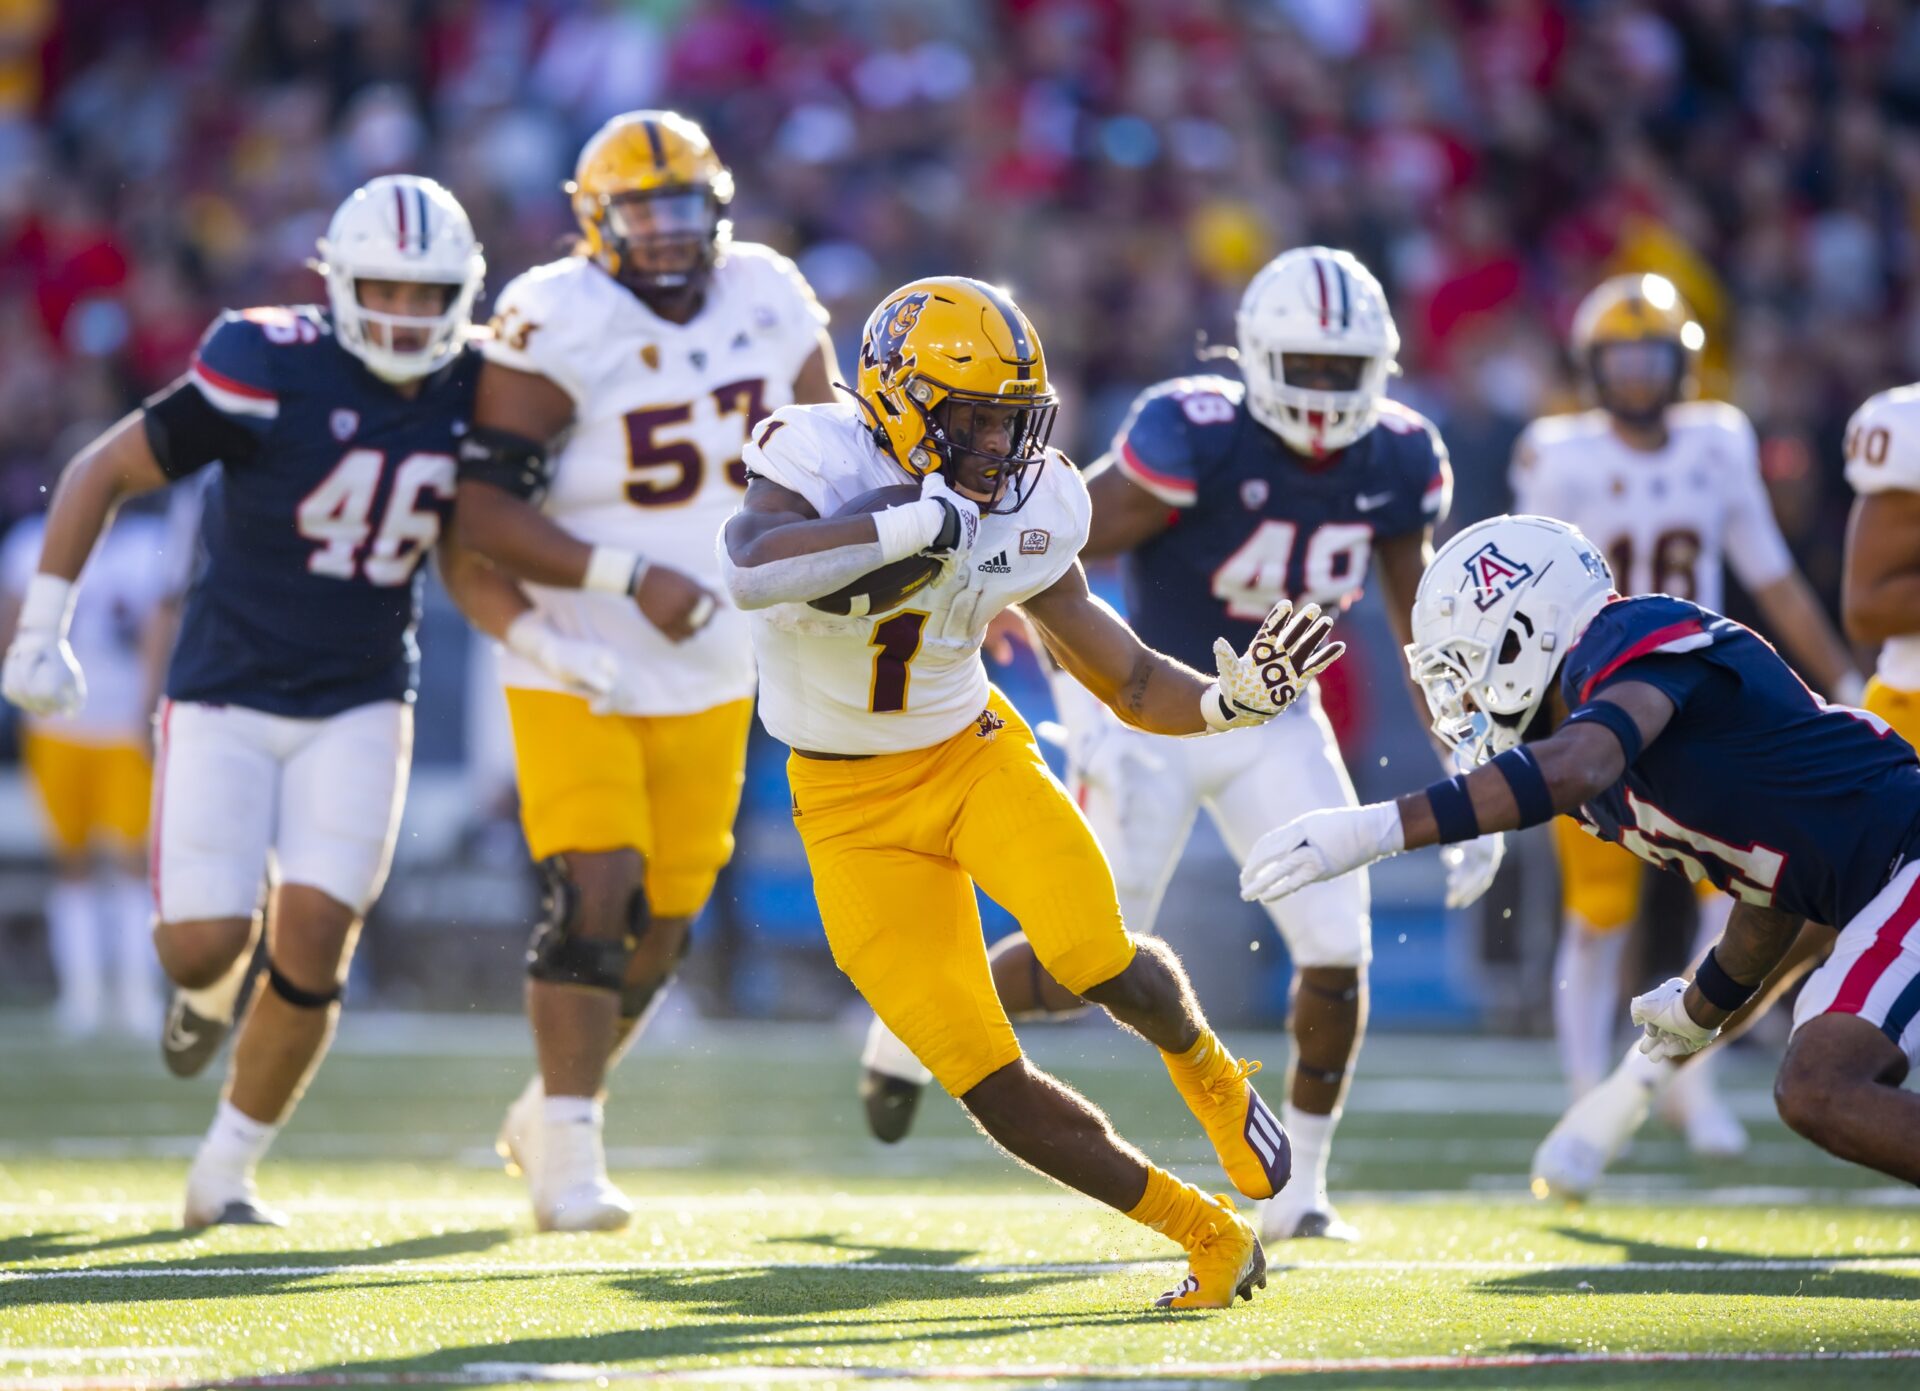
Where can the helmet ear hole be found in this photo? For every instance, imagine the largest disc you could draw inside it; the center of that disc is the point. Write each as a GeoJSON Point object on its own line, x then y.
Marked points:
{"type": "Point", "coordinates": [1509, 648]}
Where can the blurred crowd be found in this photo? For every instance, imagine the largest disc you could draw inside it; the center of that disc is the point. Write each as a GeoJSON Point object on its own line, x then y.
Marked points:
{"type": "Point", "coordinates": [1124, 165]}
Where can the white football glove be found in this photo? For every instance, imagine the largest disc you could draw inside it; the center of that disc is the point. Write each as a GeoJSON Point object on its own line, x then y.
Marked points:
{"type": "Point", "coordinates": [1289, 651]}
{"type": "Point", "coordinates": [1318, 846]}
{"type": "Point", "coordinates": [1471, 866]}
{"type": "Point", "coordinates": [41, 675]}
{"type": "Point", "coordinates": [963, 523]}
{"type": "Point", "coordinates": [585, 668]}
{"type": "Point", "coordinates": [1671, 1032]}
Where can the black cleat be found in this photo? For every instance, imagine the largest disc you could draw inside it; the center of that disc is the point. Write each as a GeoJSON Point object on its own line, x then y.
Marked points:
{"type": "Point", "coordinates": [241, 1212]}
{"type": "Point", "coordinates": [189, 1040]}
{"type": "Point", "coordinates": [890, 1102]}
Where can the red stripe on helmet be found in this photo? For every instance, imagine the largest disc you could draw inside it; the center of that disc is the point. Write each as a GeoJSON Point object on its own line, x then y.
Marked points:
{"type": "Point", "coordinates": [400, 202]}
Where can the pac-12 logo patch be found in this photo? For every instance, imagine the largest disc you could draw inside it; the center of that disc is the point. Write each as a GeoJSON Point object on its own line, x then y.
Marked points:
{"type": "Point", "coordinates": [1492, 574]}
{"type": "Point", "coordinates": [1034, 541]}
{"type": "Point", "coordinates": [343, 423]}
{"type": "Point", "coordinates": [1253, 494]}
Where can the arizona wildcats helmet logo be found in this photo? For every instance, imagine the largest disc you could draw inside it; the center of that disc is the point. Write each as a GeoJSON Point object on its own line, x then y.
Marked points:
{"type": "Point", "coordinates": [1491, 574]}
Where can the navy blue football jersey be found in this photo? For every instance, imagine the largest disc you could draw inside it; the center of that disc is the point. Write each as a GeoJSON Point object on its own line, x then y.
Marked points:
{"type": "Point", "coordinates": [307, 589]}
{"type": "Point", "coordinates": [1252, 521]}
{"type": "Point", "coordinates": [1756, 784]}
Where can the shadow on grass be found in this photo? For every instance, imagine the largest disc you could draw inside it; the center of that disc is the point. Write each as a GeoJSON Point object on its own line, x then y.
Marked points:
{"type": "Point", "coordinates": [204, 1276]}
{"type": "Point", "coordinates": [1839, 1283]}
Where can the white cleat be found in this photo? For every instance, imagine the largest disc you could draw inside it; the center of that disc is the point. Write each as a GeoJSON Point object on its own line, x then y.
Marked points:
{"type": "Point", "coordinates": [1695, 1107]}
{"type": "Point", "coordinates": [1288, 1222]}
{"type": "Point", "coordinates": [1591, 1134]}
{"type": "Point", "coordinates": [518, 1143]}
{"type": "Point", "coordinates": [225, 1199]}
{"type": "Point", "coordinates": [572, 1192]}
{"type": "Point", "coordinates": [593, 1206]}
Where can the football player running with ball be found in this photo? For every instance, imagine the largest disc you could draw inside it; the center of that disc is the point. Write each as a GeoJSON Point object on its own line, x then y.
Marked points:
{"type": "Point", "coordinates": [287, 728]}
{"type": "Point", "coordinates": [1222, 499]}
{"type": "Point", "coordinates": [1683, 736]}
{"type": "Point", "coordinates": [913, 780]}
{"type": "Point", "coordinates": [644, 359]}
{"type": "Point", "coordinates": [1670, 490]}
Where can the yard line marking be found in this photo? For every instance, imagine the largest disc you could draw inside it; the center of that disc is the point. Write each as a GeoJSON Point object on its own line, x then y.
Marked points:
{"type": "Point", "coordinates": [1628, 1191]}
{"type": "Point", "coordinates": [94, 1354]}
{"type": "Point", "coordinates": [1181, 1374]}
{"type": "Point", "coordinates": [429, 1269]}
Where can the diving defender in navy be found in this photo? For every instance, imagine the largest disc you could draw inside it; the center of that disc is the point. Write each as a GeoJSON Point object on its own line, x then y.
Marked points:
{"type": "Point", "coordinates": [1684, 737]}
{"type": "Point", "coordinates": [1220, 499]}
{"type": "Point", "coordinates": [287, 726]}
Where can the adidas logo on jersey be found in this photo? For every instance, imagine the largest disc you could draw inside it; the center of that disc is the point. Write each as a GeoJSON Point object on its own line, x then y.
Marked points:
{"type": "Point", "coordinates": [997, 566]}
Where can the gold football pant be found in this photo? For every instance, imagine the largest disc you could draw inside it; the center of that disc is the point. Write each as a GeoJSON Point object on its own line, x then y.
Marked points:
{"type": "Point", "coordinates": [897, 843]}
{"type": "Point", "coordinates": [91, 793]}
{"type": "Point", "coordinates": [665, 785]}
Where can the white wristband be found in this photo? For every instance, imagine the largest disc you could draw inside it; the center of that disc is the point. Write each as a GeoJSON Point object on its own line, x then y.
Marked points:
{"type": "Point", "coordinates": [908, 530]}
{"type": "Point", "coordinates": [47, 606]}
{"type": "Point", "coordinates": [612, 570]}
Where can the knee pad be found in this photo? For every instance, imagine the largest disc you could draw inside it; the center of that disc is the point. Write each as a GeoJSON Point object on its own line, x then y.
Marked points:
{"type": "Point", "coordinates": [296, 996]}
{"type": "Point", "coordinates": [561, 955]}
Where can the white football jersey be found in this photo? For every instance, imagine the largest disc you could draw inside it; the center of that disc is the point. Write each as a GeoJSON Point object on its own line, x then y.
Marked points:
{"type": "Point", "coordinates": [652, 462]}
{"type": "Point", "coordinates": [113, 603]}
{"type": "Point", "coordinates": [1883, 455]}
{"type": "Point", "coordinates": [1666, 520]}
{"type": "Point", "coordinates": [913, 677]}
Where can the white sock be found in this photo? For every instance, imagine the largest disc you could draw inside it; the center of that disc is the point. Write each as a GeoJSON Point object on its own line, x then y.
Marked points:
{"type": "Point", "coordinates": [1586, 1001]}
{"type": "Point", "coordinates": [216, 1001]}
{"type": "Point", "coordinates": [571, 1110]}
{"type": "Point", "coordinates": [129, 907]}
{"type": "Point", "coordinates": [1312, 1138]}
{"type": "Point", "coordinates": [73, 941]}
{"type": "Point", "coordinates": [570, 1152]}
{"type": "Point", "coordinates": [886, 1054]}
{"type": "Point", "coordinates": [235, 1141]}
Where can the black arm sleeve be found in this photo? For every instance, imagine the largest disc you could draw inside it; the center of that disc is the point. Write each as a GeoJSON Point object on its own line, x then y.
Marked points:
{"type": "Point", "coordinates": [513, 463]}
{"type": "Point", "coordinates": [186, 432]}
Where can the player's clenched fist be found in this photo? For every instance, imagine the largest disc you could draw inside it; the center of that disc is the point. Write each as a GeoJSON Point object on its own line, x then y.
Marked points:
{"type": "Point", "coordinates": [1289, 651]}
{"type": "Point", "coordinates": [674, 602]}
{"type": "Point", "coordinates": [1671, 1032]}
{"type": "Point", "coordinates": [41, 675]}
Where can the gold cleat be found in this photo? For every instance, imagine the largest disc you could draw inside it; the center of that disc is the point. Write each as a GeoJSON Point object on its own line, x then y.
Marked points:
{"type": "Point", "coordinates": [1252, 1145]}
{"type": "Point", "coordinates": [1226, 1263]}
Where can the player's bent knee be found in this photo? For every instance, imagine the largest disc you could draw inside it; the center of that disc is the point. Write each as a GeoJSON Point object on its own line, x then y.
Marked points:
{"type": "Point", "coordinates": [578, 941]}
{"type": "Point", "coordinates": [196, 953]}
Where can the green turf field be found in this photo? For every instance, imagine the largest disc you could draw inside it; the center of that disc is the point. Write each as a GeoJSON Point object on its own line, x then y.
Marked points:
{"type": "Point", "coordinates": [773, 1242]}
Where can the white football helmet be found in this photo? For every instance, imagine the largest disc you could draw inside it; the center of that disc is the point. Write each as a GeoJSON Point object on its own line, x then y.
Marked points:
{"type": "Point", "coordinates": [1494, 616]}
{"type": "Point", "coordinates": [401, 227]}
{"type": "Point", "coordinates": [1315, 300]}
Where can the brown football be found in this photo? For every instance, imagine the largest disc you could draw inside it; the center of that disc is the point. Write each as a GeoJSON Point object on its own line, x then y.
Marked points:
{"type": "Point", "coordinates": [890, 586]}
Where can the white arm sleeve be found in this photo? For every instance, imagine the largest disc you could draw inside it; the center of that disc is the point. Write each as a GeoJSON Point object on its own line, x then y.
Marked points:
{"type": "Point", "coordinates": [797, 579]}
{"type": "Point", "coordinates": [1756, 550]}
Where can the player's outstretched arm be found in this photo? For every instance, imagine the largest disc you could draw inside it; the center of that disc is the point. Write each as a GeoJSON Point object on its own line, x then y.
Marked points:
{"type": "Point", "coordinates": [778, 550]}
{"type": "Point", "coordinates": [1152, 691]}
{"type": "Point", "coordinates": [40, 673]}
{"type": "Point", "coordinates": [1793, 611]}
{"type": "Point", "coordinates": [1523, 787]}
{"type": "Point", "coordinates": [1125, 515]}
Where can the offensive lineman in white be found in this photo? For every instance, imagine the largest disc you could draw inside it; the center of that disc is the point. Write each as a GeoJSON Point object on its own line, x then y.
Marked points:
{"type": "Point", "coordinates": [1670, 491]}
{"type": "Point", "coordinates": [285, 738]}
{"type": "Point", "coordinates": [1221, 499]}
{"type": "Point", "coordinates": [913, 781]}
{"type": "Point", "coordinates": [644, 360]}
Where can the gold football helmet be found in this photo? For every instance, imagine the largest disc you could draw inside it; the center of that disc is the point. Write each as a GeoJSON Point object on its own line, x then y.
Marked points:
{"type": "Point", "coordinates": [1639, 382]}
{"type": "Point", "coordinates": [650, 195]}
{"type": "Point", "coordinates": [952, 373]}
